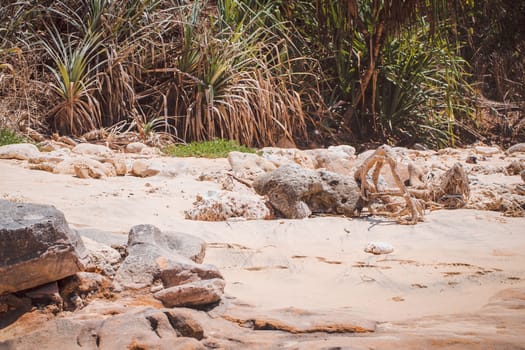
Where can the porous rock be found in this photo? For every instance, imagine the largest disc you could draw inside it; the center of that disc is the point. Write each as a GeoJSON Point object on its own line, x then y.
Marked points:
{"type": "Point", "coordinates": [102, 258]}
{"type": "Point", "coordinates": [89, 149]}
{"type": "Point", "coordinates": [154, 255]}
{"type": "Point", "coordinates": [22, 151]}
{"type": "Point", "coordinates": [296, 192]}
{"type": "Point", "coordinates": [36, 246]}
{"type": "Point", "coordinates": [222, 205]}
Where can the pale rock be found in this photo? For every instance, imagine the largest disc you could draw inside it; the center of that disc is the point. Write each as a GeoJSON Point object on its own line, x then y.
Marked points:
{"type": "Point", "coordinates": [195, 293]}
{"type": "Point", "coordinates": [21, 151]}
{"type": "Point", "coordinates": [89, 168]}
{"type": "Point", "coordinates": [279, 156]}
{"type": "Point", "coordinates": [519, 147]}
{"type": "Point", "coordinates": [296, 192]}
{"type": "Point", "coordinates": [119, 165]}
{"type": "Point", "coordinates": [523, 175]}
{"type": "Point", "coordinates": [378, 248]}
{"type": "Point", "coordinates": [222, 205]}
{"type": "Point", "coordinates": [142, 168]}
{"type": "Point", "coordinates": [101, 257]}
{"type": "Point", "coordinates": [89, 149]}
{"type": "Point", "coordinates": [37, 246]}
{"type": "Point", "coordinates": [248, 165]}
{"type": "Point", "coordinates": [487, 150]}
{"type": "Point", "coordinates": [345, 150]}
{"type": "Point", "coordinates": [135, 147]}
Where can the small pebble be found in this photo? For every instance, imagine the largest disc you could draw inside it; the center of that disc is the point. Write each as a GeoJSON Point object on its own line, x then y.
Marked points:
{"type": "Point", "coordinates": [378, 248]}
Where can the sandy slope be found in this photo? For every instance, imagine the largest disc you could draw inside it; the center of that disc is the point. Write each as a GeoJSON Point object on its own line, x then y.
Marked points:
{"type": "Point", "coordinates": [452, 263]}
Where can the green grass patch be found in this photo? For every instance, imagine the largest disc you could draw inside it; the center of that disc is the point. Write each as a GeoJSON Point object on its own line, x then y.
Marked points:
{"type": "Point", "coordinates": [8, 137]}
{"type": "Point", "coordinates": [217, 148]}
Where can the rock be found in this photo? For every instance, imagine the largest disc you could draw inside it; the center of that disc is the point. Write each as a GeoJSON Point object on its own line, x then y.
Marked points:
{"type": "Point", "coordinates": [195, 293]}
{"type": "Point", "coordinates": [118, 164]}
{"type": "Point", "coordinates": [145, 329]}
{"type": "Point", "coordinates": [515, 167]}
{"type": "Point", "coordinates": [184, 323]}
{"type": "Point", "coordinates": [36, 246]}
{"type": "Point", "coordinates": [104, 327]}
{"type": "Point", "coordinates": [143, 168]}
{"type": "Point", "coordinates": [45, 294]}
{"type": "Point", "coordinates": [296, 192]}
{"type": "Point", "coordinates": [378, 248]}
{"type": "Point", "coordinates": [86, 168]}
{"type": "Point", "coordinates": [523, 175]}
{"type": "Point", "coordinates": [135, 147]}
{"type": "Point", "coordinates": [487, 150]}
{"type": "Point", "coordinates": [22, 151]}
{"type": "Point", "coordinates": [337, 159]}
{"type": "Point", "coordinates": [11, 308]}
{"type": "Point", "coordinates": [77, 289]}
{"type": "Point", "coordinates": [89, 149]}
{"type": "Point", "coordinates": [222, 205]}
{"type": "Point", "coordinates": [102, 258]}
{"type": "Point", "coordinates": [153, 255]}
{"type": "Point", "coordinates": [248, 165]}
{"type": "Point", "coordinates": [519, 147]}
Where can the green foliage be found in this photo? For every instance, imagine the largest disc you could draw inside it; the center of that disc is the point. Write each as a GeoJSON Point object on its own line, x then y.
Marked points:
{"type": "Point", "coordinates": [217, 148]}
{"type": "Point", "coordinates": [423, 88]}
{"type": "Point", "coordinates": [8, 137]}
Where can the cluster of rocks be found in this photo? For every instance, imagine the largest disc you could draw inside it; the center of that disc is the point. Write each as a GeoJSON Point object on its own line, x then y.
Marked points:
{"type": "Point", "coordinates": [296, 183]}
{"type": "Point", "coordinates": [46, 265]}
{"type": "Point", "coordinates": [84, 160]}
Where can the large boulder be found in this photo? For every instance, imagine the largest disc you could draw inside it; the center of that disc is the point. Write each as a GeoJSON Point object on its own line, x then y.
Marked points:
{"type": "Point", "coordinates": [36, 246]}
{"type": "Point", "coordinates": [155, 257]}
{"type": "Point", "coordinates": [296, 192]}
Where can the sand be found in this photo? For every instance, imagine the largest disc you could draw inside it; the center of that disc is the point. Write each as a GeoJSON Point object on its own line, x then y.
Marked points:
{"type": "Point", "coordinates": [452, 263]}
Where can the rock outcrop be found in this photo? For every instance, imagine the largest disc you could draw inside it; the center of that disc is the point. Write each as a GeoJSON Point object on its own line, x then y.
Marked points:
{"type": "Point", "coordinates": [155, 261]}
{"type": "Point", "coordinates": [296, 192]}
{"type": "Point", "coordinates": [36, 246]}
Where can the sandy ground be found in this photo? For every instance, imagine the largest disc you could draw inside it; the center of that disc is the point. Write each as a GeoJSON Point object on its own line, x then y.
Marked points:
{"type": "Point", "coordinates": [452, 263]}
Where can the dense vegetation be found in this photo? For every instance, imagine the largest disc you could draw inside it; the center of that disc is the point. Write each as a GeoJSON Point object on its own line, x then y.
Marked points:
{"type": "Point", "coordinates": [265, 72]}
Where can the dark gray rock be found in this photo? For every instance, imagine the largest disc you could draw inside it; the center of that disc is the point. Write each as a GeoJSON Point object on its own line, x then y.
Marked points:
{"type": "Point", "coordinates": [296, 192]}
{"type": "Point", "coordinates": [153, 255]}
{"type": "Point", "coordinates": [195, 293]}
{"type": "Point", "coordinates": [36, 246]}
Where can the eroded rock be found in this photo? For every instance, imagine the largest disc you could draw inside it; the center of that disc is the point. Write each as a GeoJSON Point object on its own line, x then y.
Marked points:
{"type": "Point", "coordinates": [89, 149]}
{"type": "Point", "coordinates": [152, 256]}
{"type": "Point", "coordinates": [296, 192]}
{"type": "Point", "coordinates": [222, 205]}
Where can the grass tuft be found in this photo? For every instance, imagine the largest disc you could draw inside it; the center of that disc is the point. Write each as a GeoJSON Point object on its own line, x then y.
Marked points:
{"type": "Point", "coordinates": [8, 137]}
{"type": "Point", "coordinates": [217, 148]}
